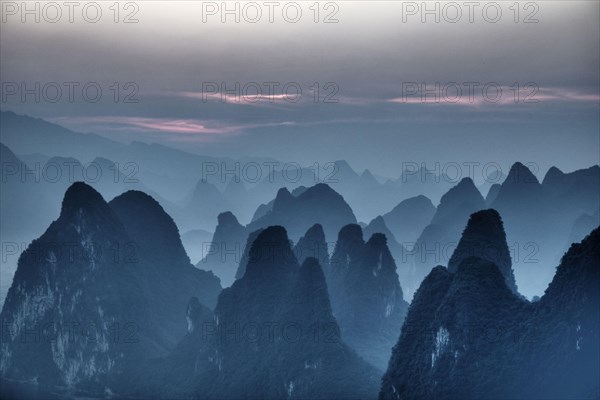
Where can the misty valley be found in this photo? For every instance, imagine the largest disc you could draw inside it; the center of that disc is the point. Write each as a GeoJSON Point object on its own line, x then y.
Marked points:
{"type": "Point", "coordinates": [279, 289]}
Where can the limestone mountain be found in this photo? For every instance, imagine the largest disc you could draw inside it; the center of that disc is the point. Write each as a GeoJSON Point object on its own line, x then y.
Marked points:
{"type": "Point", "coordinates": [467, 335]}
{"type": "Point", "coordinates": [398, 252]}
{"type": "Point", "coordinates": [106, 282]}
{"type": "Point", "coordinates": [408, 219]}
{"type": "Point", "coordinates": [247, 253]}
{"type": "Point", "coordinates": [69, 281]}
{"type": "Point", "coordinates": [317, 204]}
{"type": "Point", "coordinates": [223, 254]}
{"type": "Point", "coordinates": [538, 217]}
{"type": "Point", "coordinates": [277, 337]}
{"type": "Point", "coordinates": [367, 298]}
{"type": "Point", "coordinates": [439, 239]}
{"type": "Point", "coordinates": [313, 244]}
{"type": "Point", "coordinates": [484, 237]}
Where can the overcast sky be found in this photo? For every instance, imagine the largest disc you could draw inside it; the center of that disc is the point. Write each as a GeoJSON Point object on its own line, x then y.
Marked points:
{"type": "Point", "coordinates": [364, 63]}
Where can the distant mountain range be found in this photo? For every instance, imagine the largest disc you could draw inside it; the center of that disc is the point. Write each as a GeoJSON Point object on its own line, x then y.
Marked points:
{"type": "Point", "coordinates": [353, 288]}
{"type": "Point", "coordinates": [420, 235]}
{"type": "Point", "coordinates": [322, 328]}
{"type": "Point", "coordinates": [172, 176]}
